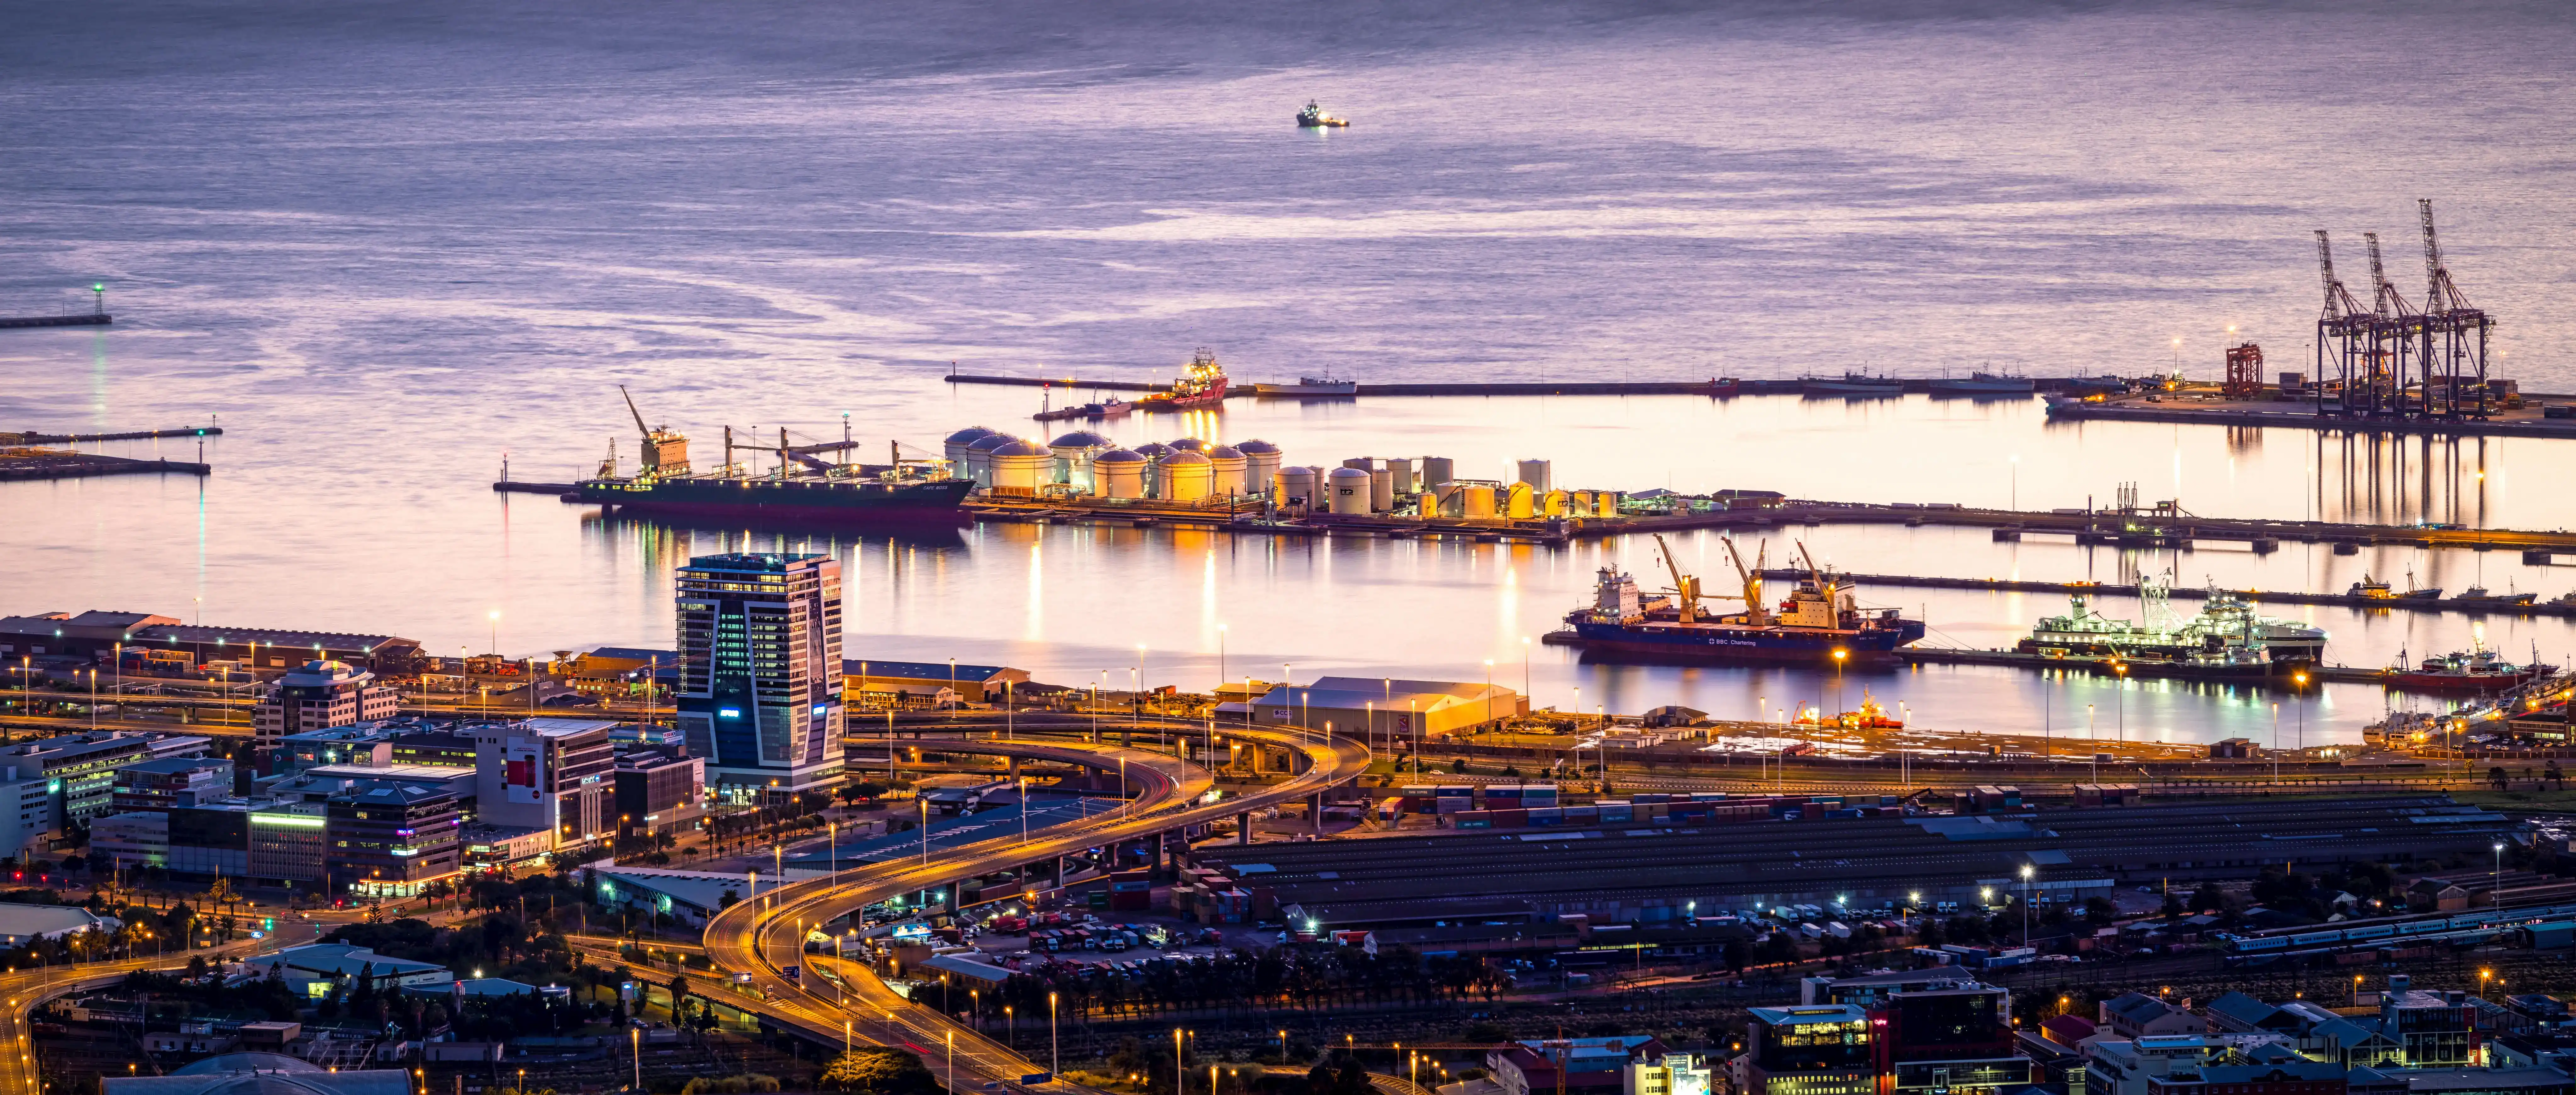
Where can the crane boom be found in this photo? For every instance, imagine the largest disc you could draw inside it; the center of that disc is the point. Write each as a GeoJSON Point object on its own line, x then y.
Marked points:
{"type": "Point", "coordinates": [1754, 610]}
{"type": "Point", "coordinates": [640, 427]}
{"type": "Point", "coordinates": [1685, 588]}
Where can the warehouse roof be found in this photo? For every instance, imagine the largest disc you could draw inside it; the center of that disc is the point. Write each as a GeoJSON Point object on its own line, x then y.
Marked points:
{"type": "Point", "coordinates": [926, 671]}
{"type": "Point", "coordinates": [19, 923]}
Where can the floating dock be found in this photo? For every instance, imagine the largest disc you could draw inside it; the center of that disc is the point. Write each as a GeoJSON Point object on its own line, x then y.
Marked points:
{"type": "Point", "coordinates": [33, 437]}
{"type": "Point", "coordinates": [34, 463]}
{"type": "Point", "coordinates": [90, 319]}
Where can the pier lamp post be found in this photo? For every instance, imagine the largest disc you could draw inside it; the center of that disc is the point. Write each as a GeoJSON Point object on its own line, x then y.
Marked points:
{"type": "Point", "coordinates": [2120, 700]}
{"type": "Point", "coordinates": [2025, 904]}
{"type": "Point", "coordinates": [2302, 678]}
{"type": "Point", "coordinates": [93, 698]}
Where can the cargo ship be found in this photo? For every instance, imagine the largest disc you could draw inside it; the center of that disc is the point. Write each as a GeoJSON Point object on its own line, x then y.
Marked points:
{"type": "Point", "coordinates": [1202, 384]}
{"type": "Point", "coordinates": [1819, 623]}
{"type": "Point", "coordinates": [804, 486]}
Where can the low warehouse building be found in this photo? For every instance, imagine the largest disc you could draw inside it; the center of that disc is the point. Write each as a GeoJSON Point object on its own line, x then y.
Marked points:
{"type": "Point", "coordinates": [1386, 706]}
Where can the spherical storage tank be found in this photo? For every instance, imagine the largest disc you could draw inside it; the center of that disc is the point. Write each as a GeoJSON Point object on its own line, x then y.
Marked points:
{"type": "Point", "coordinates": [1295, 487]}
{"type": "Point", "coordinates": [1021, 466]}
{"type": "Point", "coordinates": [1120, 473]}
{"type": "Point", "coordinates": [1260, 463]}
{"type": "Point", "coordinates": [979, 457]}
{"type": "Point", "coordinates": [956, 447]}
{"type": "Point", "coordinates": [1073, 453]}
{"type": "Point", "coordinates": [1349, 490]}
{"type": "Point", "coordinates": [1183, 476]}
{"type": "Point", "coordinates": [1227, 464]}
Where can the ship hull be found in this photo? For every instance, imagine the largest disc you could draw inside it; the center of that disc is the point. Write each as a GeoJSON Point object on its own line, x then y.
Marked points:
{"type": "Point", "coordinates": [2453, 682]}
{"type": "Point", "coordinates": [1705, 643]}
{"type": "Point", "coordinates": [797, 500]}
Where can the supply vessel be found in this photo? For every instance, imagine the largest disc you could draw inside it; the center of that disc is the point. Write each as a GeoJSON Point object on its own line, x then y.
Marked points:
{"type": "Point", "coordinates": [2228, 637]}
{"type": "Point", "coordinates": [1202, 384]}
{"type": "Point", "coordinates": [1313, 117]}
{"type": "Point", "coordinates": [803, 486]}
{"type": "Point", "coordinates": [1819, 623]}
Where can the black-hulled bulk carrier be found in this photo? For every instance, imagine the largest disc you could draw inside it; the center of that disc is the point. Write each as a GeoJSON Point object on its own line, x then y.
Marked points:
{"type": "Point", "coordinates": [1819, 623]}
{"type": "Point", "coordinates": [804, 486]}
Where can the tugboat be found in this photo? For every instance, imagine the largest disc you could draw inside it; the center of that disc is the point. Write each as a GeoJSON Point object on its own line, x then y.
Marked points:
{"type": "Point", "coordinates": [1820, 623]}
{"type": "Point", "coordinates": [2477, 670]}
{"type": "Point", "coordinates": [1201, 385]}
{"type": "Point", "coordinates": [1313, 117]}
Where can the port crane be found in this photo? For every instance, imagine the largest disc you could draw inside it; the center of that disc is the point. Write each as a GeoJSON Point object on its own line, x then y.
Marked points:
{"type": "Point", "coordinates": [664, 452]}
{"type": "Point", "coordinates": [1686, 591]}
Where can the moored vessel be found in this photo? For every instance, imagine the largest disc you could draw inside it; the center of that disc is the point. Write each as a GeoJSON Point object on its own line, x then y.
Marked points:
{"type": "Point", "coordinates": [1819, 623]}
{"type": "Point", "coordinates": [1202, 384]}
{"type": "Point", "coordinates": [2474, 670]}
{"type": "Point", "coordinates": [1324, 385]}
{"type": "Point", "coordinates": [1990, 385]}
{"type": "Point", "coordinates": [1851, 385]}
{"type": "Point", "coordinates": [803, 487]}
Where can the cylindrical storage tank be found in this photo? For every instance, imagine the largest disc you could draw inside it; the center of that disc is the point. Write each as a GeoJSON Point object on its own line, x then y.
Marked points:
{"type": "Point", "coordinates": [1189, 444]}
{"type": "Point", "coordinates": [1554, 505]}
{"type": "Point", "coordinates": [1295, 487]}
{"type": "Point", "coordinates": [979, 458]}
{"type": "Point", "coordinates": [1381, 490]}
{"type": "Point", "coordinates": [1120, 473]}
{"type": "Point", "coordinates": [1226, 464]}
{"type": "Point", "coordinates": [1402, 466]}
{"type": "Point", "coordinates": [1260, 464]}
{"type": "Point", "coordinates": [1020, 467]}
{"type": "Point", "coordinates": [1153, 450]}
{"type": "Point", "coordinates": [1073, 453]}
{"type": "Point", "coordinates": [1349, 490]}
{"type": "Point", "coordinates": [1535, 473]}
{"type": "Point", "coordinates": [956, 447]}
{"type": "Point", "coordinates": [1579, 503]}
{"type": "Point", "coordinates": [1185, 476]}
{"type": "Point", "coordinates": [1605, 503]}
{"type": "Point", "coordinates": [1438, 469]}
{"type": "Point", "coordinates": [1476, 500]}
{"type": "Point", "coordinates": [1518, 502]}
{"type": "Point", "coordinates": [1360, 462]}
{"type": "Point", "coordinates": [1447, 500]}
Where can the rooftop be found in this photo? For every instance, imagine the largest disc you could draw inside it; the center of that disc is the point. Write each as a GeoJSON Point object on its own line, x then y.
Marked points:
{"type": "Point", "coordinates": [966, 674]}
{"type": "Point", "coordinates": [1804, 1014]}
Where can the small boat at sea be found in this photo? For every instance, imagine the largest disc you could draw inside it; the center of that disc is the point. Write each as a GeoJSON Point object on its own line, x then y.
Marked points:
{"type": "Point", "coordinates": [1852, 385]}
{"type": "Point", "coordinates": [1984, 385]}
{"type": "Point", "coordinates": [2419, 593]}
{"type": "Point", "coordinates": [1313, 117]}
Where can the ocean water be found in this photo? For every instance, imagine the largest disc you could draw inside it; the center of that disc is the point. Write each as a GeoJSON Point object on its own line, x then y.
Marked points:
{"type": "Point", "coordinates": [388, 246]}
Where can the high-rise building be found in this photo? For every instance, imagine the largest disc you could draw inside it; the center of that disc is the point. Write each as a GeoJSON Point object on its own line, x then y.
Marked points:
{"type": "Point", "coordinates": [1806, 1049]}
{"type": "Point", "coordinates": [320, 695]}
{"type": "Point", "coordinates": [1952, 1040]}
{"type": "Point", "coordinates": [760, 680]}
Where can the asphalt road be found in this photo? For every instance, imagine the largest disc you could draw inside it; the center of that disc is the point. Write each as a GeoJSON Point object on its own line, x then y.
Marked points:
{"type": "Point", "coordinates": [760, 937]}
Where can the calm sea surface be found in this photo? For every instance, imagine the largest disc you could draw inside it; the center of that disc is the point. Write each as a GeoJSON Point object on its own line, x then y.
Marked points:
{"type": "Point", "coordinates": [386, 247]}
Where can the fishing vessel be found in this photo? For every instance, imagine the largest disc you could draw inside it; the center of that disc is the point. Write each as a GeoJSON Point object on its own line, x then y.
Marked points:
{"type": "Point", "coordinates": [1984, 384]}
{"type": "Point", "coordinates": [2370, 588]}
{"type": "Point", "coordinates": [1202, 384]}
{"type": "Point", "coordinates": [1851, 385]}
{"type": "Point", "coordinates": [2475, 670]}
{"type": "Point", "coordinates": [2478, 595]}
{"type": "Point", "coordinates": [802, 487]}
{"type": "Point", "coordinates": [1819, 623]}
{"type": "Point", "coordinates": [1313, 117]}
{"type": "Point", "coordinates": [1310, 386]}
{"type": "Point", "coordinates": [2227, 635]}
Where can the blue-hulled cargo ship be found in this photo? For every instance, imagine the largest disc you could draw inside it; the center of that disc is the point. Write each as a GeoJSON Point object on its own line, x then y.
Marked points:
{"type": "Point", "coordinates": [1819, 623]}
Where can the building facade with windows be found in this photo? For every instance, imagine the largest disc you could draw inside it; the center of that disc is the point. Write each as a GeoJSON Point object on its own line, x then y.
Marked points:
{"type": "Point", "coordinates": [558, 775]}
{"type": "Point", "coordinates": [391, 841]}
{"type": "Point", "coordinates": [319, 695]}
{"type": "Point", "coordinates": [80, 769]}
{"type": "Point", "coordinates": [164, 785]}
{"type": "Point", "coordinates": [1808, 1049]}
{"type": "Point", "coordinates": [660, 790]}
{"type": "Point", "coordinates": [760, 694]}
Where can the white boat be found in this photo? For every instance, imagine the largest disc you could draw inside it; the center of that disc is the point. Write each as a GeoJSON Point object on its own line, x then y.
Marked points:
{"type": "Point", "coordinates": [1310, 385]}
{"type": "Point", "coordinates": [1851, 384]}
{"type": "Point", "coordinates": [1984, 384]}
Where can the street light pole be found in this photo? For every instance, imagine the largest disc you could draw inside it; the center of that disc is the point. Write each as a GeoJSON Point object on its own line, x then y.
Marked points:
{"type": "Point", "coordinates": [1055, 1062]}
